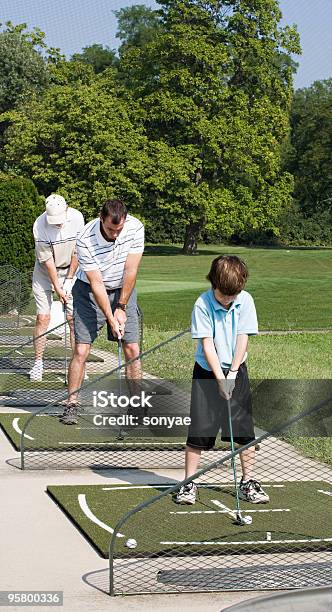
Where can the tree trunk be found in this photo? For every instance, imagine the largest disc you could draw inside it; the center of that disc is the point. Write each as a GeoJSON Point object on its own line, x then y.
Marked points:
{"type": "Point", "coordinates": [191, 237]}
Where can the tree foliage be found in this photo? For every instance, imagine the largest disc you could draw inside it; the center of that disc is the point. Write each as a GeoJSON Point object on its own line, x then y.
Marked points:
{"type": "Point", "coordinates": [137, 26]}
{"type": "Point", "coordinates": [97, 56]}
{"type": "Point", "coordinates": [19, 207]}
{"type": "Point", "coordinates": [79, 139]}
{"type": "Point", "coordinates": [23, 64]}
{"type": "Point", "coordinates": [188, 130]}
{"type": "Point", "coordinates": [216, 98]}
{"type": "Point", "coordinates": [310, 158]}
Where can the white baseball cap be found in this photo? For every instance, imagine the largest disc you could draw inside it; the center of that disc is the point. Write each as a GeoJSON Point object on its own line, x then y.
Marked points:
{"type": "Point", "coordinates": [56, 207]}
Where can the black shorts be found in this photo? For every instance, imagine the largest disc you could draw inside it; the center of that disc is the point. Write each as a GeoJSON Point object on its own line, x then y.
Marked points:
{"type": "Point", "coordinates": [209, 410]}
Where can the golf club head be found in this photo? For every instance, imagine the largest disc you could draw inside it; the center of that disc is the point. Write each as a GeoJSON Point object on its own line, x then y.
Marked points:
{"type": "Point", "coordinates": [242, 520]}
{"type": "Point", "coordinates": [239, 520]}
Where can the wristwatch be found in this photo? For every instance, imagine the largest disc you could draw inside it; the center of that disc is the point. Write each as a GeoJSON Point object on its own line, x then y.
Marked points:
{"type": "Point", "coordinates": [122, 306]}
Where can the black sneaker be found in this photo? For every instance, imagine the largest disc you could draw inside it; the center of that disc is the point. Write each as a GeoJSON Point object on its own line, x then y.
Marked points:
{"type": "Point", "coordinates": [251, 491]}
{"type": "Point", "coordinates": [69, 416]}
{"type": "Point", "coordinates": [187, 494]}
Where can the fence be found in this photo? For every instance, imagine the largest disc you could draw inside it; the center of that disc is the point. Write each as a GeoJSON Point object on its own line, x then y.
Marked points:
{"type": "Point", "coordinates": [94, 442]}
{"type": "Point", "coordinates": [160, 546]}
{"type": "Point", "coordinates": [10, 296]}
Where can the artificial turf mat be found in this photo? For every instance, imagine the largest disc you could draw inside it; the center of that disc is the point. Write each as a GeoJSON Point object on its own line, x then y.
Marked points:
{"type": "Point", "coordinates": [48, 433]}
{"type": "Point", "coordinates": [167, 528]}
{"type": "Point", "coordinates": [11, 381]}
{"type": "Point", "coordinates": [23, 354]}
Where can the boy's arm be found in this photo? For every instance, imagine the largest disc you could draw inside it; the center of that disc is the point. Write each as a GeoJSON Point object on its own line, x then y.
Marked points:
{"type": "Point", "coordinates": [212, 358]}
{"type": "Point", "coordinates": [214, 363]}
{"type": "Point", "coordinates": [240, 351]}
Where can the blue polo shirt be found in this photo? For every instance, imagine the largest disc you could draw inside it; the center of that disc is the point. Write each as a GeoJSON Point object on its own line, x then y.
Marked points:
{"type": "Point", "coordinates": [211, 320]}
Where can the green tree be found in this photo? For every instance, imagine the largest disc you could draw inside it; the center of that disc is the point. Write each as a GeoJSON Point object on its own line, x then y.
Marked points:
{"type": "Point", "coordinates": [24, 57]}
{"type": "Point", "coordinates": [97, 56]}
{"type": "Point", "coordinates": [310, 158]}
{"type": "Point", "coordinates": [20, 204]}
{"type": "Point", "coordinates": [137, 26]}
{"type": "Point", "coordinates": [216, 91]}
{"type": "Point", "coordinates": [79, 139]}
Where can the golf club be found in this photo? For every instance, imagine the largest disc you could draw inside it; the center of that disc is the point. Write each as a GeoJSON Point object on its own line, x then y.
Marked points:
{"type": "Point", "coordinates": [120, 435]}
{"type": "Point", "coordinates": [66, 357]}
{"type": "Point", "coordinates": [239, 519]}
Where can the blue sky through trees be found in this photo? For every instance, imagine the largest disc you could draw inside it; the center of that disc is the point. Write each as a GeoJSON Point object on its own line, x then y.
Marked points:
{"type": "Point", "coordinates": [73, 24]}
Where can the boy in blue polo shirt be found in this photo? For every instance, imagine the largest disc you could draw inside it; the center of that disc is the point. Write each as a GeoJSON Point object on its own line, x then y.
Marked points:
{"type": "Point", "coordinates": [222, 320]}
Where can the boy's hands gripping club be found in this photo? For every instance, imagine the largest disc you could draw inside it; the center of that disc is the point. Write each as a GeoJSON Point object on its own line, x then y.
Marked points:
{"type": "Point", "coordinates": [227, 385]}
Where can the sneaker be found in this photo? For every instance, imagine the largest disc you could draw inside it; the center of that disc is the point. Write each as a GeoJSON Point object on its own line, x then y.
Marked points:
{"type": "Point", "coordinates": [36, 372]}
{"type": "Point", "coordinates": [251, 491]}
{"type": "Point", "coordinates": [69, 416]}
{"type": "Point", "coordinates": [187, 494]}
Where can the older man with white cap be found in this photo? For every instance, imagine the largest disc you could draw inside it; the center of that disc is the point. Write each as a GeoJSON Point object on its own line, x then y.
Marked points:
{"type": "Point", "coordinates": [55, 232]}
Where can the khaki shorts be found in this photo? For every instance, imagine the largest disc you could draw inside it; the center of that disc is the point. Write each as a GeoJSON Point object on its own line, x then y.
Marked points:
{"type": "Point", "coordinates": [44, 299]}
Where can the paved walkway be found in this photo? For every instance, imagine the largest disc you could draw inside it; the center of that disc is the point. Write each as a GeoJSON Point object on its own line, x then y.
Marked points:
{"type": "Point", "coordinates": [41, 549]}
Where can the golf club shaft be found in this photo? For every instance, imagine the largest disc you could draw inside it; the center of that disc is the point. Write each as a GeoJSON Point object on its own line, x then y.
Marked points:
{"type": "Point", "coordinates": [120, 373]}
{"type": "Point", "coordinates": [66, 360]}
{"type": "Point", "coordinates": [238, 509]}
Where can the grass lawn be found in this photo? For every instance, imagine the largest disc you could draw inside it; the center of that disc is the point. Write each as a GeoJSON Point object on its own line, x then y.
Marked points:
{"type": "Point", "coordinates": [286, 285]}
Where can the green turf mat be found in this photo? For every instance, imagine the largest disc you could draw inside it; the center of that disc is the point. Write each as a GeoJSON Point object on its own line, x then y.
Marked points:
{"type": "Point", "coordinates": [167, 528]}
{"type": "Point", "coordinates": [57, 352]}
{"type": "Point", "coordinates": [25, 332]}
{"type": "Point", "coordinates": [47, 433]}
{"type": "Point", "coordinates": [11, 381]}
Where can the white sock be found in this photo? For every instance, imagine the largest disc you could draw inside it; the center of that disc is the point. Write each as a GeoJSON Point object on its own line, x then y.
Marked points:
{"type": "Point", "coordinates": [39, 361]}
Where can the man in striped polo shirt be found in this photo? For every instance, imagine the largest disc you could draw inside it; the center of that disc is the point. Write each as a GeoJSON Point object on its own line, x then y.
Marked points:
{"type": "Point", "coordinates": [55, 232]}
{"type": "Point", "coordinates": [109, 252]}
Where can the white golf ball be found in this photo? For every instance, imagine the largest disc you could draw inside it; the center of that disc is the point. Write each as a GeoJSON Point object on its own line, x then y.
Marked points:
{"type": "Point", "coordinates": [131, 543]}
{"type": "Point", "coordinates": [247, 520]}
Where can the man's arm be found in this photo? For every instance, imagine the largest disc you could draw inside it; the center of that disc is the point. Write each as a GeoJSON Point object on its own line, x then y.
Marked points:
{"type": "Point", "coordinates": [73, 267]}
{"type": "Point", "coordinates": [129, 276]}
{"type": "Point", "coordinates": [129, 281]}
{"type": "Point", "coordinates": [98, 289]}
{"type": "Point", "coordinates": [52, 273]}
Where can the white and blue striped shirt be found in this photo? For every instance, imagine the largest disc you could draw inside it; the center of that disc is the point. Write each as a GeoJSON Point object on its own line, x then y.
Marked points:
{"type": "Point", "coordinates": [96, 253]}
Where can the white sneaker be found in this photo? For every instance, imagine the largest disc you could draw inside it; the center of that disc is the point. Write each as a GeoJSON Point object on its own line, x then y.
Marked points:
{"type": "Point", "coordinates": [36, 372]}
{"type": "Point", "coordinates": [187, 494]}
{"type": "Point", "coordinates": [251, 491]}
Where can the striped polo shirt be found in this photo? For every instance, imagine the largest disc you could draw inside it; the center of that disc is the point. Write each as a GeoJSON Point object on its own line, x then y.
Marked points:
{"type": "Point", "coordinates": [96, 253]}
{"type": "Point", "coordinates": [56, 242]}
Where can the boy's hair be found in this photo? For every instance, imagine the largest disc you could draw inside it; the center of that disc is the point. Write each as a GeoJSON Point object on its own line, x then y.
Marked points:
{"type": "Point", "coordinates": [116, 209]}
{"type": "Point", "coordinates": [229, 274]}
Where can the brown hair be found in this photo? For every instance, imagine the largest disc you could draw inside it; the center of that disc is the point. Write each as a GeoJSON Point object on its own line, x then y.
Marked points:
{"type": "Point", "coordinates": [116, 209]}
{"type": "Point", "coordinates": [229, 274]}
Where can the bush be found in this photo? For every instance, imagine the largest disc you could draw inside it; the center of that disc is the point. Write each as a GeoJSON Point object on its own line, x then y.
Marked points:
{"type": "Point", "coordinates": [299, 230]}
{"type": "Point", "coordinates": [20, 204]}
